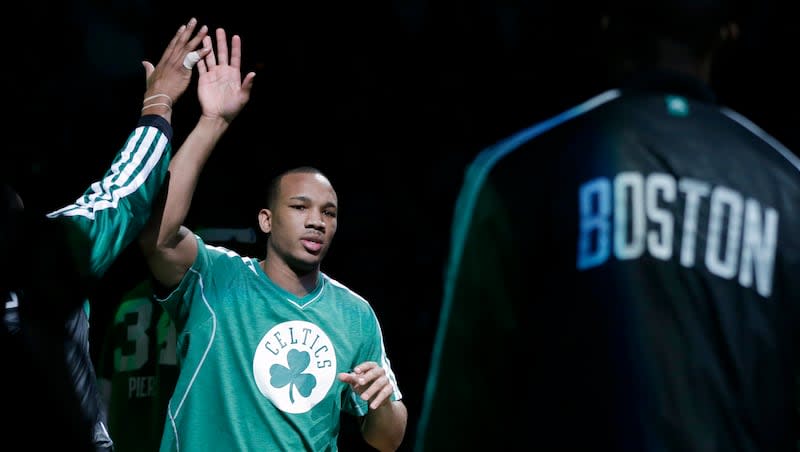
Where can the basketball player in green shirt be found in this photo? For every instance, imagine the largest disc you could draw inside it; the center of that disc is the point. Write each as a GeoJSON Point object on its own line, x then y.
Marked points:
{"type": "Point", "coordinates": [137, 371]}
{"type": "Point", "coordinates": [270, 351]}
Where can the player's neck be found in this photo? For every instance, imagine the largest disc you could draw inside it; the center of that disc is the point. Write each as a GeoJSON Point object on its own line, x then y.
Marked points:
{"type": "Point", "coordinates": [288, 279]}
{"type": "Point", "coordinates": [678, 58]}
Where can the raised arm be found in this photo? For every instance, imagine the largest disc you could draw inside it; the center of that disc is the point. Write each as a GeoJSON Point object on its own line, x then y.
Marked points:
{"type": "Point", "coordinates": [111, 212]}
{"type": "Point", "coordinates": [169, 247]}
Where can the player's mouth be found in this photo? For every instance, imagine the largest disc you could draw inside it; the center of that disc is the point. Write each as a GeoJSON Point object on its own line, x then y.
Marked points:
{"type": "Point", "coordinates": [311, 245]}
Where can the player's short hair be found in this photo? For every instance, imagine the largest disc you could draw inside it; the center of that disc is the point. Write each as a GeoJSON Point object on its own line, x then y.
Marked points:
{"type": "Point", "coordinates": [274, 187]}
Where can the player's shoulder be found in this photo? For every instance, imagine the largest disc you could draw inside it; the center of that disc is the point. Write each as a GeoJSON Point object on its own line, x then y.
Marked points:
{"type": "Point", "coordinates": [223, 262]}
{"type": "Point", "coordinates": [597, 106]}
{"type": "Point", "coordinates": [219, 249]}
{"type": "Point", "coordinates": [219, 253]}
{"type": "Point", "coordinates": [344, 292]}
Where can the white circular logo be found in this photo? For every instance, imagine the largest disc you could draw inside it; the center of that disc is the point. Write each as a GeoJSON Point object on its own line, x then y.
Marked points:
{"type": "Point", "coordinates": [294, 366]}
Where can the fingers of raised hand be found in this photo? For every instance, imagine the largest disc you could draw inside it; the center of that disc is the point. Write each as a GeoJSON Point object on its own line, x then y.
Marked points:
{"type": "Point", "coordinates": [183, 40]}
{"type": "Point", "coordinates": [181, 50]}
{"type": "Point", "coordinates": [196, 39]}
{"type": "Point", "coordinates": [179, 35]}
{"type": "Point", "coordinates": [236, 51]}
{"type": "Point", "coordinates": [185, 31]}
{"type": "Point", "coordinates": [207, 54]}
{"type": "Point", "coordinates": [211, 58]}
{"type": "Point", "coordinates": [222, 47]}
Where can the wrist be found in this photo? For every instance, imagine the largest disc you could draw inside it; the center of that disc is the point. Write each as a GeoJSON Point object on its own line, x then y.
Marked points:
{"type": "Point", "coordinates": [158, 108]}
{"type": "Point", "coordinates": [157, 104]}
{"type": "Point", "coordinates": [215, 122]}
{"type": "Point", "coordinates": [157, 97]}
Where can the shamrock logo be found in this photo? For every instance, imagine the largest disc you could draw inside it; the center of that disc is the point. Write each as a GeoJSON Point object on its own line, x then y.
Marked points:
{"type": "Point", "coordinates": [293, 375]}
{"type": "Point", "coordinates": [295, 357]}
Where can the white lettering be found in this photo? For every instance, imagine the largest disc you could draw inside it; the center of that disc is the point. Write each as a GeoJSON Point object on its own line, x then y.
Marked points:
{"type": "Point", "coordinates": [723, 264]}
{"type": "Point", "coordinates": [659, 243]}
{"type": "Point", "coordinates": [740, 237]}
{"type": "Point", "coordinates": [758, 247]}
{"type": "Point", "coordinates": [629, 210]}
{"type": "Point", "coordinates": [694, 190]}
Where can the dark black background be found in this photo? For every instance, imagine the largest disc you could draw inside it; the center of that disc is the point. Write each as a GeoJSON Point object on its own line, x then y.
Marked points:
{"type": "Point", "coordinates": [391, 99]}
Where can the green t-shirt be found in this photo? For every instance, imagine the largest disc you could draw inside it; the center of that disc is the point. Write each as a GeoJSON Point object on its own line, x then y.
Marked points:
{"type": "Point", "coordinates": [138, 369]}
{"type": "Point", "coordinates": [258, 364]}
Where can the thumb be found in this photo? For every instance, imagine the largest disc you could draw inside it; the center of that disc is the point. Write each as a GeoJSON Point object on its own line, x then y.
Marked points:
{"type": "Point", "coordinates": [148, 68]}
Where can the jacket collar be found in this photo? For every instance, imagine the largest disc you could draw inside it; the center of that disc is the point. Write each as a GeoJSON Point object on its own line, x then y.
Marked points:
{"type": "Point", "coordinates": [674, 82]}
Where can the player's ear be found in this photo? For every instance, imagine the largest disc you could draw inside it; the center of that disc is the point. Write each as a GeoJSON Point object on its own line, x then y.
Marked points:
{"type": "Point", "coordinates": [265, 220]}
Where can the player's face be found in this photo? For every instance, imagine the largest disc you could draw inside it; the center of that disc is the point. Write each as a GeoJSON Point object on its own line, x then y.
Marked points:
{"type": "Point", "coordinates": [302, 222]}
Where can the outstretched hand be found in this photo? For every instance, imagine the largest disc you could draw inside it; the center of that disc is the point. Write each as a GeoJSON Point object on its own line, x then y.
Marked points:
{"type": "Point", "coordinates": [170, 77]}
{"type": "Point", "coordinates": [221, 90]}
{"type": "Point", "coordinates": [370, 382]}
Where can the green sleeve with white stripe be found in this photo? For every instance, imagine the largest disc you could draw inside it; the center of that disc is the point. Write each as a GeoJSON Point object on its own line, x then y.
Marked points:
{"type": "Point", "coordinates": [112, 211]}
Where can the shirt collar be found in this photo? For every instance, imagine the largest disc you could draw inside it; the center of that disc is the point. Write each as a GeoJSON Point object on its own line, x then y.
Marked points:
{"type": "Point", "coordinates": [671, 81]}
